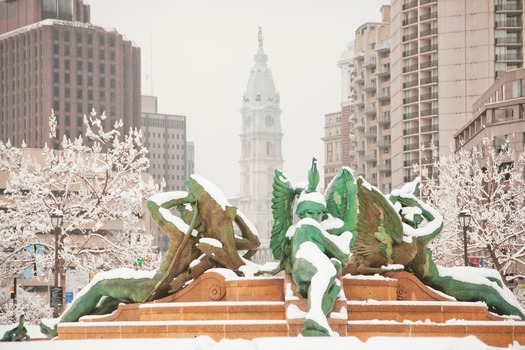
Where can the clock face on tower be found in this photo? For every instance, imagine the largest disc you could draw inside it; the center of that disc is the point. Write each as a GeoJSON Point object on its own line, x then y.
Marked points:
{"type": "Point", "coordinates": [268, 120]}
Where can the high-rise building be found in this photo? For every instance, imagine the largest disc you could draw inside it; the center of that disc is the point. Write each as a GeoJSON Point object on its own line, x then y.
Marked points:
{"type": "Point", "coordinates": [52, 57]}
{"type": "Point", "coordinates": [260, 145]}
{"type": "Point", "coordinates": [348, 107]}
{"type": "Point", "coordinates": [164, 136]}
{"type": "Point", "coordinates": [365, 105]}
{"type": "Point", "coordinates": [333, 139]}
{"type": "Point", "coordinates": [445, 54]}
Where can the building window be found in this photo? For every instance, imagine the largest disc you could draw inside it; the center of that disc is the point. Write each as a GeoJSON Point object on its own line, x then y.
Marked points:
{"type": "Point", "coordinates": [516, 88]}
{"type": "Point", "coordinates": [500, 143]}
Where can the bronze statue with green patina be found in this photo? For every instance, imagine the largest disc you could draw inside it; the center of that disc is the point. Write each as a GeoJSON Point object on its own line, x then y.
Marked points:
{"type": "Point", "coordinates": [307, 251]}
{"type": "Point", "coordinates": [202, 238]}
{"type": "Point", "coordinates": [390, 232]}
{"type": "Point", "coordinates": [17, 333]}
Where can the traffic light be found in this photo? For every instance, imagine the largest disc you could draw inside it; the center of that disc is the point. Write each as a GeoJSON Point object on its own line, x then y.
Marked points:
{"type": "Point", "coordinates": [12, 293]}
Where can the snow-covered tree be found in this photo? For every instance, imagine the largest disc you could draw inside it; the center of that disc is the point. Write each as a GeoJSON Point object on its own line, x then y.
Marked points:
{"type": "Point", "coordinates": [488, 181]}
{"type": "Point", "coordinates": [32, 305]}
{"type": "Point", "coordinates": [96, 184]}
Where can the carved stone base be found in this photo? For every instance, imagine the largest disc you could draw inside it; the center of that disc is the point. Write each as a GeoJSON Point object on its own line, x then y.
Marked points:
{"type": "Point", "coordinates": [221, 305]}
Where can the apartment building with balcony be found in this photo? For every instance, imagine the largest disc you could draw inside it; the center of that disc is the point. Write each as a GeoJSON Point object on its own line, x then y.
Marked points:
{"type": "Point", "coordinates": [370, 114]}
{"type": "Point", "coordinates": [499, 115]}
{"type": "Point", "coordinates": [444, 55]}
{"type": "Point", "coordinates": [333, 140]}
{"type": "Point", "coordinates": [339, 133]}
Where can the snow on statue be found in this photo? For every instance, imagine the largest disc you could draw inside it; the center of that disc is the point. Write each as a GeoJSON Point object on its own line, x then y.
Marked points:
{"type": "Point", "coordinates": [353, 228]}
{"type": "Point", "coordinates": [387, 233]}
{"type": "Point", "coordinates": [202, 238]}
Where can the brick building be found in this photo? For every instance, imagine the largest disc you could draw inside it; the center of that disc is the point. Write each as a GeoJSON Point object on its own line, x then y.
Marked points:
{"type": "Point", "coordinates": [52, 57]}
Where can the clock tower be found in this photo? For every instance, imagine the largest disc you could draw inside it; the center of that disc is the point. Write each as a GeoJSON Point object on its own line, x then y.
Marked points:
{"type": "Point", "coordinates": [260, 146]}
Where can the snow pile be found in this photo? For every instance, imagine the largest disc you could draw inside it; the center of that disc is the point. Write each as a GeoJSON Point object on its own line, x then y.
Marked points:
{"type": "Point", "coordinates": [273, 343]}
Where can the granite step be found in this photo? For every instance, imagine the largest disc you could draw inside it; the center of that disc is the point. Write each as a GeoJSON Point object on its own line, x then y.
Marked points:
{"type": "Point", "coordinates": [191, 311]}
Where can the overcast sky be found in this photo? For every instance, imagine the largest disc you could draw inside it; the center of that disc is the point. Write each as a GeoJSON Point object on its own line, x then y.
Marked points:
{"type": "Point", "coordinates": [198, 55]}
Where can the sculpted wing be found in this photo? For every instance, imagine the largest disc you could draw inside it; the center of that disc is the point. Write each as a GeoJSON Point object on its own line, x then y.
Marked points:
{"type": "Point", "coordinates": [379, 227]}
{"type": "Point", "coordinates": [282, 202]}
{"type": "Point", "coordinates": [341, 200]}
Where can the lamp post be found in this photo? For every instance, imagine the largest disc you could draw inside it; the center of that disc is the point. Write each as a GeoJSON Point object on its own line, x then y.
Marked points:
{"type": "Point", "coordinates": [56, 220]}
{"type": "Point", "coordinates": [464, 220]}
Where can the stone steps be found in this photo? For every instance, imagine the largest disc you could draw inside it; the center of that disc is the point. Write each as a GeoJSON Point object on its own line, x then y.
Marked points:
{"type": "Point", "coordinates": [423, 311]}
{"type": "Point", "coordinates": [195, 311]}
{"type": "Point", "coordinates": [398, 305]}
{"type": "Point", "coordinates": [218, 329]}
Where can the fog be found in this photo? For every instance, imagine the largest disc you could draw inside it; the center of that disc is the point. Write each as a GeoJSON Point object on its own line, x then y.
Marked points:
{"type": "Point", "coordinates": [197, 56]}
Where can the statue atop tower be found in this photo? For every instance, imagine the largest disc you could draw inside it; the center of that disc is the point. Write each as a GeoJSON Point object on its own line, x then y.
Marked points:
{"type": "Point", "coordinates": [260, 37]}
{"type": "Point", "coordinates": [261, 137]}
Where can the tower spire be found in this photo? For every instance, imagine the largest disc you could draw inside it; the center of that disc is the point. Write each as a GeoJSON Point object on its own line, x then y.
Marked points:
{"type": "Point", "coordinates": [260, 37]}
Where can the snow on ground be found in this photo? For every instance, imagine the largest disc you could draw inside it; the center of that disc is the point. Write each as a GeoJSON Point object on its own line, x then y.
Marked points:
{"type": "Point", "coordinates": [299, 343]}
{"type": "Point", "coordinates": [275, 343]}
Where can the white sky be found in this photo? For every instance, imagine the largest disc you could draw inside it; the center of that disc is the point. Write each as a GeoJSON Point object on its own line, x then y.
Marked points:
{"type": "Point", "coordinates": [200, 52]}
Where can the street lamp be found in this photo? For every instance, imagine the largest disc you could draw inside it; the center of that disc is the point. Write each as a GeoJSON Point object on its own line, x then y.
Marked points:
{"type": "Point", "coordinates": [464, 220]}
{"type": "Point", "coordinates": [56, 221]}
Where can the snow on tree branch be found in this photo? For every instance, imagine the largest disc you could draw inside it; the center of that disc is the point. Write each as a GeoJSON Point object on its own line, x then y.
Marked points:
{"type": "Point", "coordinates": [98, 183]}
{"type": "Point", "coordinates": [488, 181]}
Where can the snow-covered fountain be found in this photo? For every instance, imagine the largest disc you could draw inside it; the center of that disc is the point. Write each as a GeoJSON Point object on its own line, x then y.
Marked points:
{"type": "Point", "coordinates": [353, 262]}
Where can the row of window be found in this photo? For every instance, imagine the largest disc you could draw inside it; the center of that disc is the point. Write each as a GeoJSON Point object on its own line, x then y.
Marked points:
{"type": "Point", "coordinates": [83, 35]}
{"type": "Point", "coordinates": [163, 123]}
{"type": "Point", "coordinates": [80, 52]}
{"type": "Point", "coordinates": [80, 66]}
{"type": "Point", "coordinates": [160, 134]}
{"type": "Point", "coordinates": [165, 156]}
{"type": "Point", "coordinates": [160, 145]}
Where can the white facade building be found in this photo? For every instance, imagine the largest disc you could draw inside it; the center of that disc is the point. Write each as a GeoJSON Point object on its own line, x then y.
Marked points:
{"type": "Point", "coordinates": [260, 146]}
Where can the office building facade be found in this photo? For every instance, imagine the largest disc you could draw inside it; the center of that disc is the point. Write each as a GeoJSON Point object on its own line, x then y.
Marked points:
{"type": "Point", "coordinates": [52, 58]}
{"type": "Point", "coordinates": [445, 54]}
